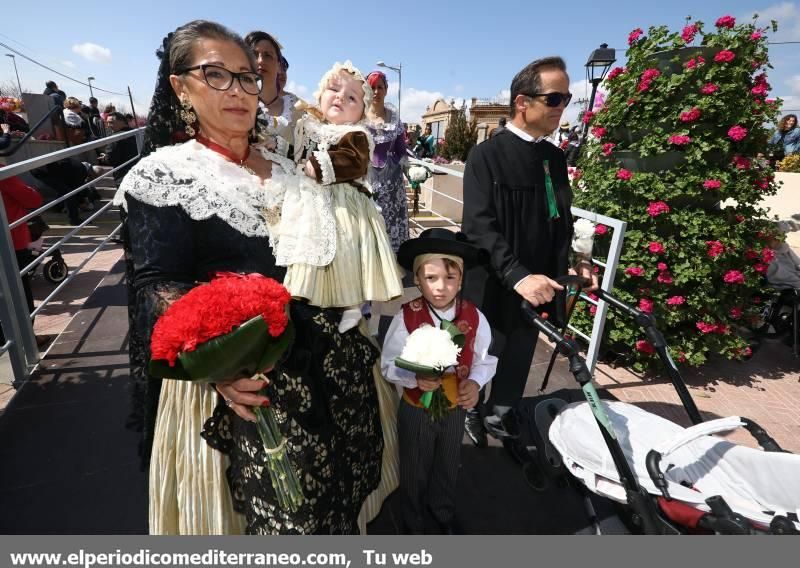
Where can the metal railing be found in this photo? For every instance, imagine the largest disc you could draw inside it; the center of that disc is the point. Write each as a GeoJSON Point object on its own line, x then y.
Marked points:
{"type": "Point", "coordinates": [17, 323]}
{"type": "Point", "coordinates": [609, 267]}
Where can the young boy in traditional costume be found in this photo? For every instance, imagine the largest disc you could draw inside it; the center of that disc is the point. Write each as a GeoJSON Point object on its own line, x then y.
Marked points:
{"type": "Point", "coordinates": [429, 448]}
{"type": "Point", "coordinates": [330, 234]}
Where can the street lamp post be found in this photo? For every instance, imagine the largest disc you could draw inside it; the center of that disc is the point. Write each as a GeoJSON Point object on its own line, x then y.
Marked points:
{"type": "Point", "coordinates": [399, 70]}
{"type": "Point", "coordinates": [14, 59]}
{"type": "Point", "coordinates": [600, 61]}
{"type": "Point", "coordinates": [91, 93]}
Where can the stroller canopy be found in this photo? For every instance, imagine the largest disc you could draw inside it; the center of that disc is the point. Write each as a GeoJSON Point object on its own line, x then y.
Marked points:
{"type": "Point", "coordinates": [756, 484]}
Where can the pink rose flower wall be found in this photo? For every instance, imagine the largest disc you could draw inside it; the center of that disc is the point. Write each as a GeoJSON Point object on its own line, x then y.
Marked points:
{"type": "Point", "coordinates": [677, 135]}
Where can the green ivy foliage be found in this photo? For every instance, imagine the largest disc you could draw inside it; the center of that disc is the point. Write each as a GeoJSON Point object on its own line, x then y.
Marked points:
{"type": "Point", "coordinates": [676, 153]}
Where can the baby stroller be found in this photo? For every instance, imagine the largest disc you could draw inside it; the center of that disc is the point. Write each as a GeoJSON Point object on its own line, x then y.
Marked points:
{"type": "Point", "coordinates": [54, 270]}
{"type": "Point", "coordinates": [670, 480]}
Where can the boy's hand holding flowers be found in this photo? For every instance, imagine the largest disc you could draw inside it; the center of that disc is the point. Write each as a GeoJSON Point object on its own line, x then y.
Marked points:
{"type": "Point", "coordinates": [428, 383]}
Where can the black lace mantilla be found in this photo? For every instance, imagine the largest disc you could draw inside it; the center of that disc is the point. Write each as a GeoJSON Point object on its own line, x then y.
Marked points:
{"type": "Point", "coordinates": [326, 402]}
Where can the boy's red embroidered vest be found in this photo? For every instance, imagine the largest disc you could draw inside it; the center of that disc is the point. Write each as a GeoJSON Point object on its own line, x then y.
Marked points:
{"type": "Point", "coordinates": [415, 314]}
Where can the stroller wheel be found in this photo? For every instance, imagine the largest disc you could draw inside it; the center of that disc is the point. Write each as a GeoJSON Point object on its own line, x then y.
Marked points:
{"type": "Point", "coordinates": [55, 270]}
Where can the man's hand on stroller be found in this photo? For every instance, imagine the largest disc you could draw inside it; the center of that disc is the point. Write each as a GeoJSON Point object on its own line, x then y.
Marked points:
{"type": "Point", "coordinates": [538, 289]}
{"type": "Point", "coordinates": [583, 268]}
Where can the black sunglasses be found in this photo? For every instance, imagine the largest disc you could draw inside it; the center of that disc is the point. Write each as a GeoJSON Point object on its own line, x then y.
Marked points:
{"type": "Point", "coordinates": [221, 79]}
{"type": "Point", "coordinates": [552, 99]}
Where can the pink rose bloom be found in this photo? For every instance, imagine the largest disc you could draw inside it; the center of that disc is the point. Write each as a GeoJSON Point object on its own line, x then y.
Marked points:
{"type": "Point", "coordinates": [690, 115]}
{"type": "Point", "coordinates": [759, 90]}
{"type": "Point", "coordinates": [634, 271]}
{"type": "Point", "coordinates": [634, 35]}
{"type": "Point", "coordinates": [761, 79]}
{"type": "Point", "coordinates": [721, 329]}
{"type": "Point", "coordinates": [614, 73]}
{"type": "Point", "coordinates": [691, 64]}
{"type": "Point", "coordinates": [598, 131]}
{"type": "Point", "coordinates": [650, 74]}
{"type": "Point", "coordinates": [767, 255]}
{"type": "Point", "coordinates": [676, 301]}
{"type": "Point", "coordinates": [706, 327]}
{"type": "Point", "coordinates": [644, 346]}
{"type": "Point", "coordinates": [737, 133]}
{"type": "Point", "coordinates": [726, 22]}
{"type": "Point", "coordinates": [741, 162]}
{"type": "Point", "coordinates": [736, 312]}
{"type": "Point", "coordinates": [760, 267]}
{"type": "Point", "coordinates": [662, 266]}
{"type": "Point", "coordinates": [664, 277]}
{"type": "Point", "coordinates": [656, 208]}
{"type": "Point", "coordinates": [679, 140]}
{"type": "Point", "coordinates": [748, 352]}
{"type": "Point", "coordinates": [762, 183]}
{"type": "Point", "coordinates": [733, 277]}
{"type": "Point", "coordinates": [709, 89]}
{"type": "Point", "coordinates": [681, 357]}
{"type": "Point", "coordinates": [624, 174]}
{"type": "Point", "coordinates": [724, 56]}
{"type": "Point", "coordinates": [655, 248]}
{"type": "Point", "coordinates": [739, 218]}
{"type": "Point", "coordinates": [750, 254]}
{"type": "Point", "coordinates": [600, 229]}
{"type": "Point", "coordinates": [688, 33]}
{"type": "Point", "coordinates": [592, 310]}
{"type": "Point", "coordinates": [756, 35]}
{"type": "Point", "coordinates": [646, 305]}
{"type": "Point", "coordinates": [607, 148]}
{"type": "Point", "coordinates": [587, 116]}
{"type": "Point", "coordinates": [714, 248]}
{"type": "Point", "coordinates": [712, 184]}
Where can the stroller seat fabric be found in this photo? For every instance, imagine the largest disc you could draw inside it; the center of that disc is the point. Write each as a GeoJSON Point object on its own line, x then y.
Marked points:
{"type": "Point", "coordinates": [756, 484]}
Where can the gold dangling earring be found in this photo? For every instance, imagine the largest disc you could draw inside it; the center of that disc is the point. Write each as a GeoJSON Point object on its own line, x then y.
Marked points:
{"type": "Point", "coordinates": [188, 115]}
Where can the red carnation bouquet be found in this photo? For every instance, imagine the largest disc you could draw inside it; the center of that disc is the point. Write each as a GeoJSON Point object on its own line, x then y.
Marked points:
{"type": "Point", "coordinates": [234, 326]}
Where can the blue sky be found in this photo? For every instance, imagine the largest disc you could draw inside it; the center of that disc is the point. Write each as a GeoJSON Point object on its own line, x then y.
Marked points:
{"type": "Point", "coordinates": [450, 49]}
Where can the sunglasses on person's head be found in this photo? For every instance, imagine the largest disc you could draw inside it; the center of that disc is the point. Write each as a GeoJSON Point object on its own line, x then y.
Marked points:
{"type": "Point", "coordinates": [552, 99]}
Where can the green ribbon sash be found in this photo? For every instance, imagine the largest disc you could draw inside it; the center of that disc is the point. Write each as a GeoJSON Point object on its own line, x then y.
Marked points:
{"type": "Point", "coordinates": [552, 206]}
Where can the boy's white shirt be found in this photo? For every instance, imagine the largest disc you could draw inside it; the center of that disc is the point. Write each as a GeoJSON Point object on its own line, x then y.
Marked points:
{"type": "Point", "coordinates": [484, 365]}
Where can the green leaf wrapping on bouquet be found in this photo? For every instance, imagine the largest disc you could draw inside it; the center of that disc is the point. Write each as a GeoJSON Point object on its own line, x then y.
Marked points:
{"type": "Point", "coordinates": [417, 368]}
{"type": "Point", "coordinates": [456, 334]}
{"type": "Point", "coordinates": [425, 399]}
{"type": "Point", "coordinates": [244, 351]}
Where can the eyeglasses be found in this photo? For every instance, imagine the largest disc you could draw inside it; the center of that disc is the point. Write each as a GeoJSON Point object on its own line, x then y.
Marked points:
{"type": "Point", "coordinates": [221, 79]}
{"type": "Point", "coordinates": [552, 99]}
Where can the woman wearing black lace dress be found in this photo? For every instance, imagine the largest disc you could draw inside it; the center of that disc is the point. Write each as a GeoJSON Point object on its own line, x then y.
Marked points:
{"type": "Point", "coordinates": [196, 208]}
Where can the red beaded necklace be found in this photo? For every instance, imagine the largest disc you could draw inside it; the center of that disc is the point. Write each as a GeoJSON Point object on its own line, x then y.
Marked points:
{"type": "Point", "coordinates": [223, 151]}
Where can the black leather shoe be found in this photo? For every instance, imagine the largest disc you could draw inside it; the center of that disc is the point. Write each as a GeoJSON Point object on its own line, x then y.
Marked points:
{"type": "Point", "coordinates": [506, 426]}
{"type": "Point", "coordinates": [473, 426]}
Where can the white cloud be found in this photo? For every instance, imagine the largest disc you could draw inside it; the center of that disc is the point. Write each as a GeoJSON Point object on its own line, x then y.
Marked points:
{"type": "Point", "coordinates": [415, 101]}
{"type": "Point", "coordinates": [300, 90]}
{"type": "Point", "coordinates": [392, 89]}
{"type": "Point", "coordinates": [787, 14]}
{"type": "Point", "coordinates": [504, 95]}
{"type": "Point", "coordinates": [791, 103]}
{"type": "Point", "coordinates": [794, 84]}
{"type": "Point", "coordinates": [68, 63]}
{"type": "Point", "coordinates": [580, 90]}
{"type": "Point", "coordinates": [93, 52]}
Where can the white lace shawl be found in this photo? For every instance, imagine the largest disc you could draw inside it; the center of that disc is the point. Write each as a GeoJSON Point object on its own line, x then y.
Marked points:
{"type": "Point", "coordinates": [303, 226]}
{"type": "Point", "coordinates": [312, 134]}
{"type": "Point", "coordinates": [203, 183]}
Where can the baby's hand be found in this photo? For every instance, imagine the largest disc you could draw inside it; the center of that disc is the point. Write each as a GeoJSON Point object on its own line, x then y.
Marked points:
{"type": "Point", "coordinates": [308, 169]}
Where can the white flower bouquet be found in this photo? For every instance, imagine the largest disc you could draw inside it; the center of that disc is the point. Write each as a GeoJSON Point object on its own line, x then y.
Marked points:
{"type": "Point", "coordinates": [583, 237]}
{"type": "Point", "coordinates": [430, 351]}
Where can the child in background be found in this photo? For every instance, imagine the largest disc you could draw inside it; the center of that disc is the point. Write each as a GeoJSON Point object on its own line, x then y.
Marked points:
{"type": "Point", "coordinates": [430, 450]}
{"type": "Point", "coordinates": [330, 234]}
